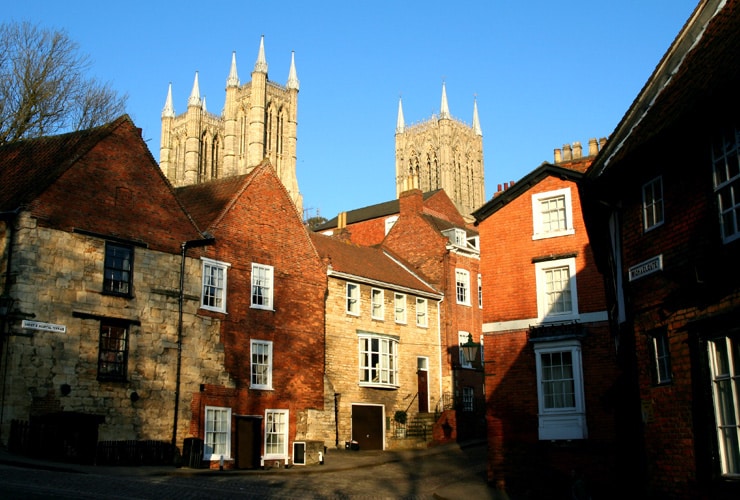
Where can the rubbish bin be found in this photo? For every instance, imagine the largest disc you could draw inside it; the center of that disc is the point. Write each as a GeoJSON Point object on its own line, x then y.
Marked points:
{"type": "Point", "coordinates": [192, 453]}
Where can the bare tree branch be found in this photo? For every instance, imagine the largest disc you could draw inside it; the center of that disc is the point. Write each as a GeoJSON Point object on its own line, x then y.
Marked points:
{"type": "Point", "coordinates": [44, 89]}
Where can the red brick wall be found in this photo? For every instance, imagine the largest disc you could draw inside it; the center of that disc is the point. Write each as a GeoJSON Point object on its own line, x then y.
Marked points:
{"type": "Point", "coordinates": [272, 235]}
{"type": "Point", "coordinates": [510, 293]}
{"type": "Point", "coordinates": [120, 175]}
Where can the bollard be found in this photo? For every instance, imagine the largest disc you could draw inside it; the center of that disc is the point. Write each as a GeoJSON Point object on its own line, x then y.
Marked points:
{"type": "Point", "coordinates": [321, 458]}
{"type": "Point", "coordinates": [221, 463]}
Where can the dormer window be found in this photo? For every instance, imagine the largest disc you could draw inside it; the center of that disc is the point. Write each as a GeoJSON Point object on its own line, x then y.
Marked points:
{"type": "Point", "coordinates": [457, 237]}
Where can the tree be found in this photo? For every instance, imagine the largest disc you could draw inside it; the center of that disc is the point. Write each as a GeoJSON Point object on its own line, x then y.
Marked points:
{"type": "Point", "coordinates": [43, 86]}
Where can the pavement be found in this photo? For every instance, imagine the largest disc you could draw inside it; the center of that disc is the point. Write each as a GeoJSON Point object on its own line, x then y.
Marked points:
{"type": "Point", "coordinates": [335, 460]}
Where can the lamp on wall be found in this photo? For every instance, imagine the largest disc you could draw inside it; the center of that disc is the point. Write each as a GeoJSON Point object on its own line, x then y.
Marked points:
{"type": "Point", "coordinates": [470, 350]}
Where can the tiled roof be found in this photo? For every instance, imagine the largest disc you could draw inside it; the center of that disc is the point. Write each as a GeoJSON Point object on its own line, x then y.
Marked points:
{"type": "Point", "coordinates": [206, 202]}
{"type": "Point", "coordinates": [445, 225]}
{"type": "Point", "coordinates": [28, 167]}
{"type": "Point", "coordinates": [367, 262]}
{"type": "Point", "coordinates": [370, 212]}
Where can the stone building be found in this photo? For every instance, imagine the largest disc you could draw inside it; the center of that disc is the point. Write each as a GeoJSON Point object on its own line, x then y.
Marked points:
{"type": "Point", "coordinates": [428, 232]}
{"type": "Point", "coordinates": [662, 201]}
{"type": "Point", "coordinates": [259, 121]}
{"type": "Point", "coordinates": [383, 354]}
{"type": "Point", "coordinates": [442, 153]}
{"type": "Point", "coordinates": [264, 284]}
{"type": "Point", "coordinates": [551, 369]}
{"type": "Point", "coordinates": [92, 290]}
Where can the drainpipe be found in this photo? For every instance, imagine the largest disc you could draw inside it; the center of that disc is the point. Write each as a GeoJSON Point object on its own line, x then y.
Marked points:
{"type": "Point", "coordinates": [9, 218]}
{"type": "Point", "coordinates": [184, 246]}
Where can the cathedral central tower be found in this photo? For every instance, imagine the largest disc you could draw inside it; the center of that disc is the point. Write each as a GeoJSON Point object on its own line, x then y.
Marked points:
{"type": "Point", "coordinates": [259, 120]}
{"type": "Point", "coordinates": [442, 153]}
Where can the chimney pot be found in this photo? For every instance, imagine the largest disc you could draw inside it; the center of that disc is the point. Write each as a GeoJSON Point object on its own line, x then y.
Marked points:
{"type": "Point", "coordinates": [577, 150]}
{"type": "Point", "coordinates": [567, 152]}
{"type": "Point", "coordinates": [558, 158]}
{"type": "Point", "coordinates": [602, 143]}
{"type": "Point", "coordinates": [593, 147]}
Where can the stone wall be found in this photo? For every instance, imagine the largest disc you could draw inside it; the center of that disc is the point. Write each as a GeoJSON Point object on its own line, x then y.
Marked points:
{"type": "Point", "coordinates": [58, 280]}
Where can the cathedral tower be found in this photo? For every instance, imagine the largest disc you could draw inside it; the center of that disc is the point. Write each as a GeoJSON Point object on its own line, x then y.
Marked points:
{"type": "Point", "coordinates": [442, 153]}
{"type": "Point", "coordinates": [259, 120]}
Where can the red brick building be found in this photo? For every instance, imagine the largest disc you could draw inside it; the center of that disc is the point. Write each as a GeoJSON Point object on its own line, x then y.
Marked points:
{"type": "Point", "coordinates": [550, 361]}
{"type": "Point", "coordinates": [264, 282]}
{"type": "Point", "coordinates": [663, 212]}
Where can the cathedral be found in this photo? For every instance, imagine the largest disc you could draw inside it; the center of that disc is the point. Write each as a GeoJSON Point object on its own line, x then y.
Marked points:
{"type": "Point", "coordinates": [259, 120]}
{"type": "Point", "coordinates": [442, 153]}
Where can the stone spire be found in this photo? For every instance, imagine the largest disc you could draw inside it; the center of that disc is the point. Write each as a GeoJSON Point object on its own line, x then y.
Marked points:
{"type": "Point", "coordinates": [261, 65]}
{"type": "Point", "coordinates": [444, 109]}
{"type": "Point", "coordinates": [194, 99]}
{"type": "Point", "coordinates": [476, 121]}
{"type": "Point", "coordinates": [293, 83]}
{"type": "Point", "coordinates": [169, 109]}
{"type": "Point", "coordinates": [233, 79]}
{"type": "Point", "coordinates": [400, 124]}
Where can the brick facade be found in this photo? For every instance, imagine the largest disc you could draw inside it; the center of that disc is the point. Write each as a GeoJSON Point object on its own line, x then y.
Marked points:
{"type": "Point", "coordinates": [515, 325]}
{"type": "Point", "coordinates": [294, 323]}
{"type": "Point", "coordinates": [675, 318]}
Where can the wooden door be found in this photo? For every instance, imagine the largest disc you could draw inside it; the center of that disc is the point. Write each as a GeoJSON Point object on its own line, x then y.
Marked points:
{"type": "Point", "coordinates": [367, 426]}
{"type": "Point", "coordinates": [249, 442]}
{"type": "Point", "coordinates": [422, 377]}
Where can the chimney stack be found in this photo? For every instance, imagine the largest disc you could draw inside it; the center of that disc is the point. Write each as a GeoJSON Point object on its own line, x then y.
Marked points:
{"type": "Point", "coordinates": [411, 201]}
{"type": "Point", "coordinates": [567, 152]}
{"type": "Point", "coordinates": [593, 147]}
{"type": "Point", "coordinates": [577, 150]}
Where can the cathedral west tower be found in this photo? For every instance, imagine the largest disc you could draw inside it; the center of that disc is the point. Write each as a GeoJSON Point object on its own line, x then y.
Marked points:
{"type": "Point", "coordinates": [442, 153]}
{"type": "Point", "coordinates": [259, 120]}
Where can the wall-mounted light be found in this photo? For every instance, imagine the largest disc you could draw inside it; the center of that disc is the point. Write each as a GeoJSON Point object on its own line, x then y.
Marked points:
{"type": "Point", "coordinates": [470, 350]}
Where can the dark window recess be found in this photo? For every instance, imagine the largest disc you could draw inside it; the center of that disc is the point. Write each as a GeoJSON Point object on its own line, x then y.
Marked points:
{"type": "Point", "coordinates": [113, 351]}
{"type": "Point", "coordinates": [118, 269]}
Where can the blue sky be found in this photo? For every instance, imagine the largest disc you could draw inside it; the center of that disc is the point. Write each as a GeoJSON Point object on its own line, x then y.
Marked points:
{"type": "Point", "coordinates": [544, 73]}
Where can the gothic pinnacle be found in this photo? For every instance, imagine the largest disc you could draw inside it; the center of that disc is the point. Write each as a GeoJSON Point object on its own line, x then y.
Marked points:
{"type": "Point", "coordinates": [261, 65]}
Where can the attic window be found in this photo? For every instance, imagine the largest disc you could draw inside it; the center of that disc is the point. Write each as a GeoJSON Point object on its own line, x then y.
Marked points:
{"type": "Point", "coordinates": [457, 237]}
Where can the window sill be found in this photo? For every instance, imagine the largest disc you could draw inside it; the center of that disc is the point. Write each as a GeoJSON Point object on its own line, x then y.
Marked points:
{"type": "Point", "coordinates": [542, 236]}
{"type": "Point", "coordinates": [262, 308]}
{"type": "Point", "coordinates": [374, 385]}
{"type": "Point", "coordinates": [212, 309]}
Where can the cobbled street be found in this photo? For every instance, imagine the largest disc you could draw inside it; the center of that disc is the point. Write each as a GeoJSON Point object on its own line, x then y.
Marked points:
{"type": "Point", "coordinates": [457, 473]}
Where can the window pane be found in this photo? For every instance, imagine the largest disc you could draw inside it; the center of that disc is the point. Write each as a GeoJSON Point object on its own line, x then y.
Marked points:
{"type": "Point", "coordinates": [558, 385]}
{"type": "Point", "coordinates": [217, 432]}
{"type": "Point", "coordinates": [117, 269]}
{"type": "Point", "coordinates": [553, 214]}
{"type": "Point", "coordinates": [462, 286]}
{"type": "Point", "coordinates": [378, 361]}
{"type": "Point", "coordinates": [113, 352]}
{"type": "Point", "coordinates": [558, 290]}
{"type": "Point", "coordinates": [725, 152]}
{"type": "Point", "coordinates": [725, 371]}
{"type": "Point", "coordinates": [213, 286]}
{"type": "Point", "coordinates": [261, 286]}
{"type": "Point", "coordinates": [275, 433]}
